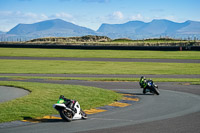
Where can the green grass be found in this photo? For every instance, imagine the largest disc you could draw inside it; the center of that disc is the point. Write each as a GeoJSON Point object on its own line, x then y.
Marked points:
{"type": "Point", "coordinates": [96, 67]}
{"type": "Point", "coordinates": [99, 53]}
{"type": "Point", "coordinates": [42, 97]}
{"type": "Point", "coordinates": [195, 83]}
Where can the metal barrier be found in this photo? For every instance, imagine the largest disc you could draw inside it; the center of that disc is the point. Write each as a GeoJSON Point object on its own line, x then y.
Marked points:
{"type": "Point", "coordinates": [52, 46]}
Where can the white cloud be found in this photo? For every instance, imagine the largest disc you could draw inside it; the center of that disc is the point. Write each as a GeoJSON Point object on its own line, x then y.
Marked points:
{"type": "Point", "coordinates": [172, 18]}
{"type": "Point", "coordinates": [44, 16]}
{"type": "Point", "coordinates": [62, 15]}
{"type": "Point", "coordinates": [156, 16]}
{"type": "Point", "coordinates": [137, 17]}
{"type": "Point", "coordinates": [112, 17]}
{"type": "Point", "coordinates": [18, 16]}
{"type": "Point", "coordinates": [9, 19]}
{"type": "Point", "coordinates": [5, 13]}
{"type": "Point", "coordinates": [117, 15]}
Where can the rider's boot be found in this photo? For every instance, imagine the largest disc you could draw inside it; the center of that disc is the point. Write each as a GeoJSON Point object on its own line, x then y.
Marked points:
{"type": "Point", "coordinates": [144, 91]}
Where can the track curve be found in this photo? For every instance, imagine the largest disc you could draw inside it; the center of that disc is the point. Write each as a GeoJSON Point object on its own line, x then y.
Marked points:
{"type": "Point", "coordinates": [177, 109]}
{"type": "Point", "coordinates": [170, 104]}
{"type": "Point", "coordinates": [9, 93]}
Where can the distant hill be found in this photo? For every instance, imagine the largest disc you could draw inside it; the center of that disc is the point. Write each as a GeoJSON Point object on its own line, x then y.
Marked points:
{"type": "Point", "coordinates": [88, 38]}
{"type": "Point", "coordinates": [132, 29]}
{"type": "Point", "coordinates": [55, 27]}
{"type": "Point", "coordinates": [155, 28]}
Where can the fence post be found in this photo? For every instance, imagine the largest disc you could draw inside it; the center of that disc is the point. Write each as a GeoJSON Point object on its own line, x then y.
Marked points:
{"type": "Point", "coordinates": [181, 48]}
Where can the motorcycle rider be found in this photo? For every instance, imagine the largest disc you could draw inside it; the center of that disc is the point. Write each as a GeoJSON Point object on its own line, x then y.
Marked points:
{"type": "Point", "coordinates": [143, 83]}
{"type": "Point", "coordinates": [68, 102]}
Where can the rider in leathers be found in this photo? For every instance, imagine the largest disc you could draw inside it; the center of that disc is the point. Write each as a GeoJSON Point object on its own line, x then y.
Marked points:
{"type": "Point", "coordinates": [143, 83]}
{"type": "Point", "coordinates": [68, 102]}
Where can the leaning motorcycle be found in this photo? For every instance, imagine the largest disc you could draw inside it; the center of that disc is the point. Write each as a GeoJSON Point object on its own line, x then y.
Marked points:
{"type": "Point", "coordinates": [67, 113]}
{"type": "Point", "coordinates": [151, 87]}
{"type": "Point", "coordinates": [148, 86]}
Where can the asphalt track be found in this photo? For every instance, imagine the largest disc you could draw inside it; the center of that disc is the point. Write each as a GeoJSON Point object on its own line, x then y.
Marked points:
{"type": "Point", "coordinates": [8, 93]}
{"type": "Point", "coordinates": [100, 75]}
{"type": "Point", "coordinates": [177, 109]}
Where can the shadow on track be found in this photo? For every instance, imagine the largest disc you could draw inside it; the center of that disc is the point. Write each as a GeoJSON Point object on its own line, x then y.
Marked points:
{"type": "Point", "coordinates": [142, 94]}
{"type": "Point", "coordinates": [43, 119]}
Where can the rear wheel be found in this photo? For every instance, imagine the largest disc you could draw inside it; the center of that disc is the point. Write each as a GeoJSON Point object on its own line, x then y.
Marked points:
{"type": "Point", "coordinates": [66, 115]}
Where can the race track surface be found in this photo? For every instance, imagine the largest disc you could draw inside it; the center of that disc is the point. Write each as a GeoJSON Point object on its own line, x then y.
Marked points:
{"type": "Point", "coordinates": [176, 110]}
{"type": "Point", "coordinates": [9, 93]}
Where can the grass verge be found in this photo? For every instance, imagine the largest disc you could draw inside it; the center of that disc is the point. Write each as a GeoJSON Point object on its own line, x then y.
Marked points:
{"type": "Point", "coordinates": [96, 67]}
{"type": "Point", "coordinates": [39, 102]}
{"type": "Point", "coordinates": [34, 52]}
{"type": "Point", "coordinates": [195, 83]}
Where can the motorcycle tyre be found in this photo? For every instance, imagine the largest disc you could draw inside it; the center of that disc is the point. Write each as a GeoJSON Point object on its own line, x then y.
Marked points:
{"type": "Point", "coordinates": [84, 115]}
{"type": "Point", "coordinates": [64, 115]}
{"type": "Point", "coordinates": [155, 91]}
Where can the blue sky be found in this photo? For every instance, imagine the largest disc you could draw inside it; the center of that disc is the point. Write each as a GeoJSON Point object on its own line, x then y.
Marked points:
{"type": "Point", "coordinates": [92, 13]}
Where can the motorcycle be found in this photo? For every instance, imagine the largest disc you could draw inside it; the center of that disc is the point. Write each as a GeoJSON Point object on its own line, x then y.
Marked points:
{"type": "Point", "coordinates": [67, 113]}
{"type": "Point", "coordinates": [148, 86]}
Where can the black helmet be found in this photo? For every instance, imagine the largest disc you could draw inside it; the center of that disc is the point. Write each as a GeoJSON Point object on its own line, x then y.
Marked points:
{"type": "Point", "coordinates": [61, 97]}
{"type": "Point", "coordinates": [142, 77]}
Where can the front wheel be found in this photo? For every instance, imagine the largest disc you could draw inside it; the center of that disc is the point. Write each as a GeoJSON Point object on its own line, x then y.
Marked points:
{"type": "Point", "coordinates": [66, 115]}
{"type": "Point", "coordinates": [84, 115]}
{"type": "Point", "coordinates": [155, 90]}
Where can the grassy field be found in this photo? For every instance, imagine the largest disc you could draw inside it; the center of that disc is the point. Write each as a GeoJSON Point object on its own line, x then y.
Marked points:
{"type": "Point", "coordinates": [42, 97]}
{"type": "Point", "coordinates": [96, 67]}
{"type": "Point", "coordinates": [99, 53]}
{"type": "Point", "coordinates": [39, 102]}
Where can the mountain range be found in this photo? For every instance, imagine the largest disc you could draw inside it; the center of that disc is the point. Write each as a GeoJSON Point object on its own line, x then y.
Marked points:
{"type": "Point", "coordinates": [131, 29]}
{"type": "Point", "coordinates": [55, 27]}
{"type": "Point", "coordinates": [155, 28]}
